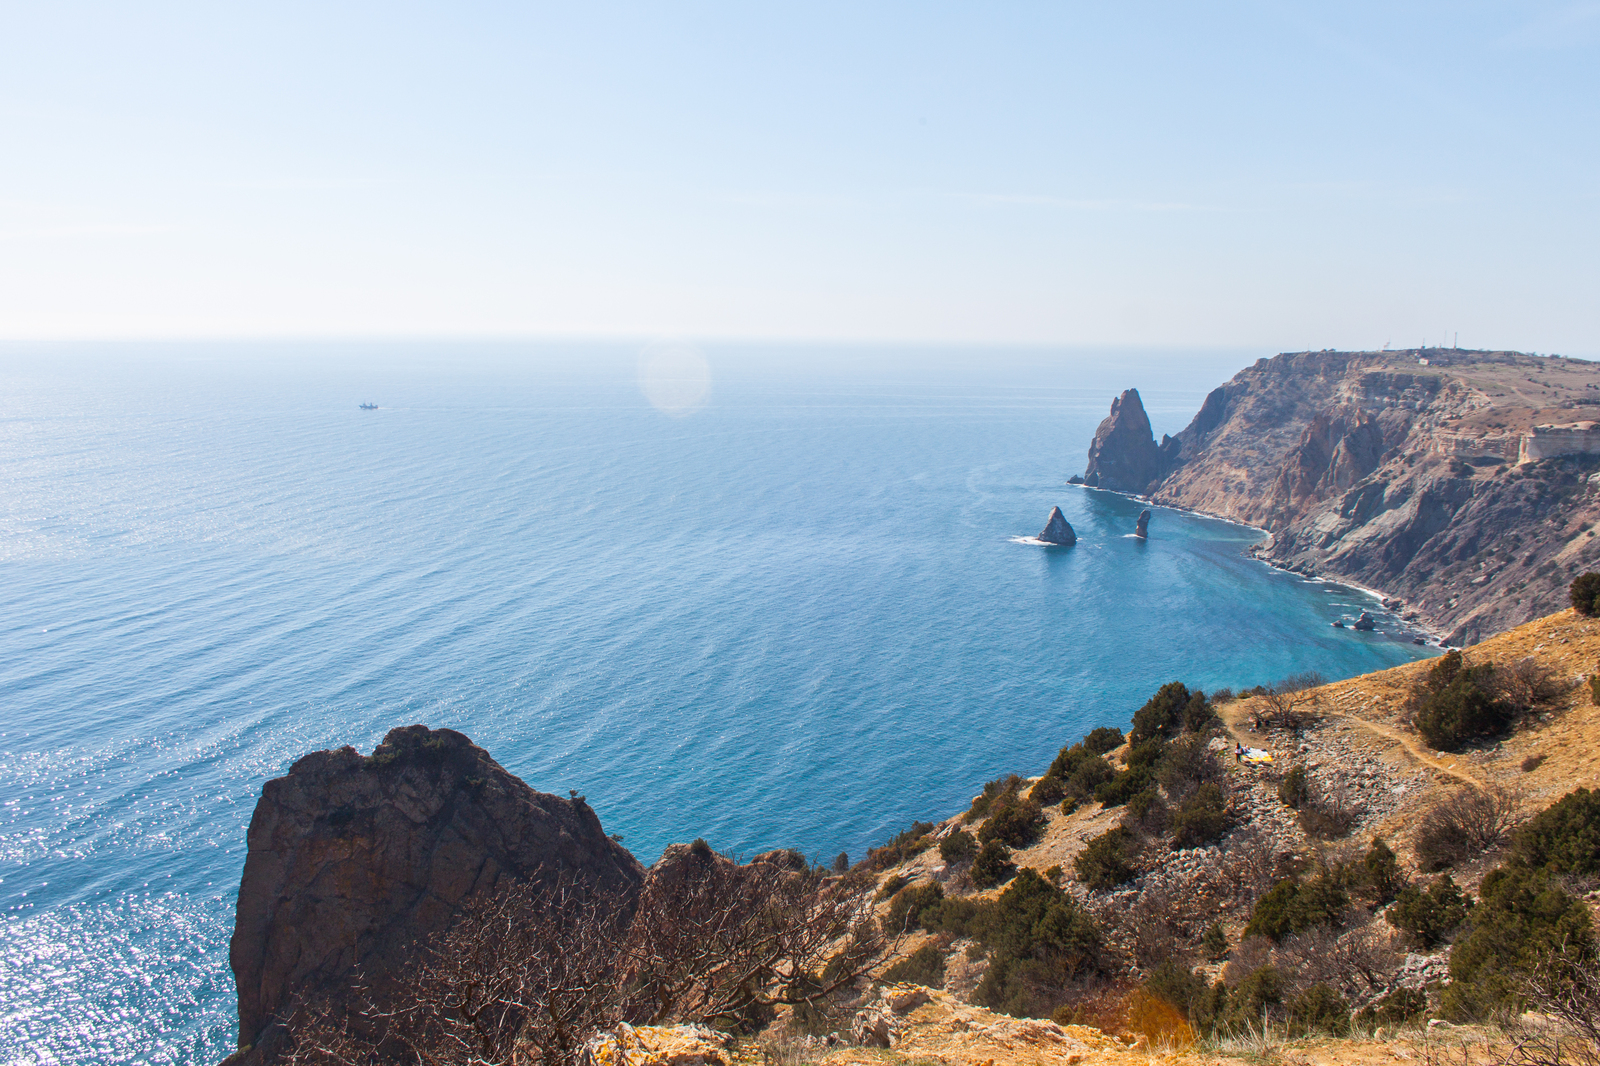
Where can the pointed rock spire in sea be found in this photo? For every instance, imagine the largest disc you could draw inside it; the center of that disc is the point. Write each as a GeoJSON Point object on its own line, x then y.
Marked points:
{"type": "Point", "coordinates": [1058, 530]}
{"type": "Point", "coordinates": [1143, 528]}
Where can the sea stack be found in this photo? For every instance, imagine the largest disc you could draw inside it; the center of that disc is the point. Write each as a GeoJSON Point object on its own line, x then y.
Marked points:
{"type": "Point", "coordinates": [1124, 456]}
{"type": "Point", "coordinates": [1143, 528]}
{"type": "Point", "coordinates": [1058, 530]}
{"type": "Point", "coordinates": [1365, 623]}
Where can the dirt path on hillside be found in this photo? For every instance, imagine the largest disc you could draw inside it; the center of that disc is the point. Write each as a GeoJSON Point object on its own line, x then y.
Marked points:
{"type": "Point", "coordinates": [1411, 748]}
{"type": "Point", "coordinates": [1235, 724]}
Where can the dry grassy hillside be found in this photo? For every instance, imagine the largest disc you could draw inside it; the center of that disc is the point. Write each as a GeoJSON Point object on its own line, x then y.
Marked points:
{"type": "Point", "coordinates": [1359, 753]}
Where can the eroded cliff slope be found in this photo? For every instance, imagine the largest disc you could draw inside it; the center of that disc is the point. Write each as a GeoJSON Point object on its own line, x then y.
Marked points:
{"type": "Point", "coordinates": [1456, 481]}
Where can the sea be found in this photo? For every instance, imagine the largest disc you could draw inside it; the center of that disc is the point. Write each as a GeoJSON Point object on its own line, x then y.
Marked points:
{"type": "Point", "coordinates": [767, 595]}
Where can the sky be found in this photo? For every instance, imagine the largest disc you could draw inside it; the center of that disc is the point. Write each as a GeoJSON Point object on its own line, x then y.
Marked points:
{"type": "Point", "coordinates": [1229, 174]}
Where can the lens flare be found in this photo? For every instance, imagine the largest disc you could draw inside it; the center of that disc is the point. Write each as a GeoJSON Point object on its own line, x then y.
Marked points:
{"type": "Point", "coordinates": [674, 377]}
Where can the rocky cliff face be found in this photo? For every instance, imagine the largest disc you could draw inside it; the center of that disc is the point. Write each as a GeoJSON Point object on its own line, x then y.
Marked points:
{"type": "Point", "coordinates": [354, 860]}
{"type": "Point", "coordinates": [1395, 470]}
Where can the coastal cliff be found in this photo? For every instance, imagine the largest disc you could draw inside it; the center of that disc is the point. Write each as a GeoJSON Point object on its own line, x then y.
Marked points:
{"type": "Point", "coordinates": [355, 860]}
{"type": "Point", "coordinates": [1458, 482]}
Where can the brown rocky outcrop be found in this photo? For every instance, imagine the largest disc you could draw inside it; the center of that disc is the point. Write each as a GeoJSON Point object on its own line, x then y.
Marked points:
{"type": "Point", "coordinates": [1057, 530]}
{"type": "Point", "coordinates": [1124, 456]}
{"type": "Point", "coordinates": [1397, 471]}
{"type": "Point", "coordinates": [353, 860]}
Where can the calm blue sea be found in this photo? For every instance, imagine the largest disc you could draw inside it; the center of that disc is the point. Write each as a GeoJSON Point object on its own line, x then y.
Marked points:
{"type": "Point", "coordinates": [793, 614]}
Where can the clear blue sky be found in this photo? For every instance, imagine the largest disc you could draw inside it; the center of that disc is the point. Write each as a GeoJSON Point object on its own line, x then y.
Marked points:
{"type": "Point", "coordinates": [1257, 174]}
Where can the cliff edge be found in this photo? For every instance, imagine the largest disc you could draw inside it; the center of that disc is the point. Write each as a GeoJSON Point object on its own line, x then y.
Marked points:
{"type": "Point", "coordinates": [353, 860]}
{"type": "Point", "coordinates": [1456, 481]}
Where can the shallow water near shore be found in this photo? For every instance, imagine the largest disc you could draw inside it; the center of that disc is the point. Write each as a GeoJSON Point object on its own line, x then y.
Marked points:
{"type": "Point", "coordinates": [797, 614]}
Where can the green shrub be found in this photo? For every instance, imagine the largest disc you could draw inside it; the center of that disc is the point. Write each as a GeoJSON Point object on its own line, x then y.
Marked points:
{"type": "Point", "coordinates": [1585, 594]}
{"type": "Point", "coordinates": [992, 791]}
{"type": "Point", "coordinates": [1040, 942]}
{"type": "Point", "coordinates": [1380, 872]}
{"type": "Point", "coordinates": [1087, 777]}
{"type": "Point", "coordinates": [1105, 738]}
{"type": "Point", "coordinates": [992, 865]}
{"type": "Point", "coordinates": [1456, 703]}
{"type": "Point", "coordinates": [1199, 716]}
{"type": "Point", "coordinates": [1186, 764]}
{"type": "Point", "coordinates": [910, 906]}
{"type": "Point", "coordinates": [1201, 818]}
{"type": "Point", "coordinates": [1293, 906]}
{"type": "Point", "coordinates": [892, 885]}
{"type": "Point", "coordinates": [902, 846]}
{"type": "Point", "coordinates": [1150, 811]}
{"type": "Point", "coordinates": [1319, 1009]}
{"type": "Point", "coordinates": [1429, 917]}
{"type": "Point", "coordinates": [925, 967]}
{"type": "Point", "coordinates": [1178, 987]}
{"type": "Point", "coordinates": [1124, 786]}
{"type": "Point", "coordinates": [1214, 942]}
{"type": "Point", "coordinates": [1013, 821]}
{"type": "Point", "coordinates": [1564, 838]}
{"type": "Point", "coordinates": [1403, 1006]}
{"type": "Point", "coordinates": [1106, 861]}
{"type": "Point", "coordinates": [1273, 914]}
{"type": "Point", "coordinates": [841, 862]}
{"type": "Point", "coordinates": [1162, 714]}
{"type": "Point", "coordinates": [1522, 919]}
{"type": "Point", "coordinates": [1295, 788]}
{"type": "Point", "coordinates": [1074, 774]}
{"type": "Point", "coordinates": [959, 846]}
{"type": "Point", "coordinates": [1146, 754]}
{"type": "Point", "coordinates": [1172, 709]}
{"type": "Point", "coordinates": [1251, 999]}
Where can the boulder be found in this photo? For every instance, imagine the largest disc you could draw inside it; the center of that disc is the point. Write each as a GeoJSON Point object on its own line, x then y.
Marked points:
{"type": "Point", "coordinates": [1124, 456]}
{"type": "Point", "coordinates": [356, 859]}
{"type": "Point", "coordinates": [1142, 528]}
{"type": "Point", "coordinates": [1058, 530]}
{"type": "Point", "coordinates": [1365, 623]}
{"type": "Point", "coordinates": [660, 1045]}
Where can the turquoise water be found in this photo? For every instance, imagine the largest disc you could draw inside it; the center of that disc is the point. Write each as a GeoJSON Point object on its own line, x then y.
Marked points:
{"type": "Point", "coordinates": [797, 615]}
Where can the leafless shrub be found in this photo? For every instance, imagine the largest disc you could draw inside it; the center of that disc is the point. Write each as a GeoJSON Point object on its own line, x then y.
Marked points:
{"type": "Point", "coordinates": [528, 976]}
{"type": "Point", "coordinates": [1248, 956]}
{"type": "Point", "coordinates": [1527, 683]}
{"type": "Point", "coordinates": [725, 944]}
{"type": "Point", "coordinates": [524, 975]}
{"type": "Point", "coordinates": [1153, 927]}
{"type": "Point", "coordinates": [1288, 704]}
{"type": "Point", "coordinates": [1567, 993]}
{"type": "Point", "coordinates": [1247, 865]}
{"type": "Point", "coordinates": [1331, 810]}
{"type": "Point", "coordinates": [1357, 960]}
{"type": "Point", "coordinates": [1465, 823]}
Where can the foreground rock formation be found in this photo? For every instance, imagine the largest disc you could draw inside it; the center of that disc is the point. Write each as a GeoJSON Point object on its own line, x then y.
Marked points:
{"type": "Point", "coordinates": [1458, 481]}
{"type": "Point", "coordinates": [354, 859]}
{"type": "Point", "coordinates": [1058, 530]}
